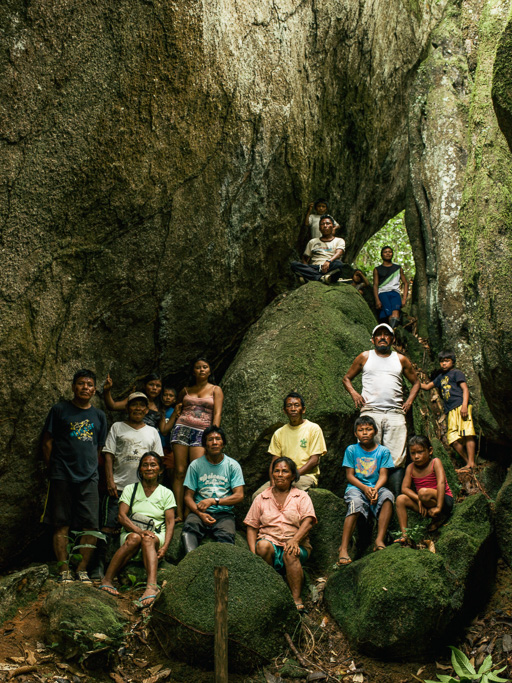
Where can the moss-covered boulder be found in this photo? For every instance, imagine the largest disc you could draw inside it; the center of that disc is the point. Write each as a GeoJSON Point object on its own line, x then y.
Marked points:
{"type": "Point", "coordinates": [392, 604]}
{"type": "Point", "coordinates": [326, 535]}
{"type": "Point", "coordinates": [19, 588]}
{"type": "Point", "coordinates": [82, 620]}
{"type": "Point", "coordinates": [304, 341]}
{"type": "Point", "coordinates": [260, 608]}
{"type": "Point", "coordinates": [503, 518]}
{"type": "Point", "coordinates": [402, 603]}
{"type": "Point", "coordinates": [175, 553]}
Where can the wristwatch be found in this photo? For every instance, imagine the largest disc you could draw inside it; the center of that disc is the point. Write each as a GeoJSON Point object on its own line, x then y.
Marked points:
{"type": "Point", "coordinates": [217, 501]}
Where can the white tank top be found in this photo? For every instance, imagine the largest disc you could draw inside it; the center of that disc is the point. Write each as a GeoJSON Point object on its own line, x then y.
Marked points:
{"type": "Point", "coordinates": [382, 381]}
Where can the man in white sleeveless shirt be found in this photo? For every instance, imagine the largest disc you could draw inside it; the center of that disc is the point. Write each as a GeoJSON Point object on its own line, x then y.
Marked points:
{"type": "Point", "coordinates": [382, 396]}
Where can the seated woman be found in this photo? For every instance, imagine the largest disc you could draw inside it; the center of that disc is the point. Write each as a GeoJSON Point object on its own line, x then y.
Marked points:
{"type": "Point", "coordinates": [278, 524]}
{"type": "Point", "coordinates": [147, 500]}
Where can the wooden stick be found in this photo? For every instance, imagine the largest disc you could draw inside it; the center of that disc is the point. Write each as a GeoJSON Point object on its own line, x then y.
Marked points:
{"type": "Point", "coordinates": [21, 670]}
{"type": "Point", "coordinates": [221, 625]}
{"type": "Point", "coordinates": [292, 647]}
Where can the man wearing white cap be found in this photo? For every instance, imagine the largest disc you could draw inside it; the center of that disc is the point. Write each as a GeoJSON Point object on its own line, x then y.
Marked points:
{"type": "Point", "coordinates": [382, 396]}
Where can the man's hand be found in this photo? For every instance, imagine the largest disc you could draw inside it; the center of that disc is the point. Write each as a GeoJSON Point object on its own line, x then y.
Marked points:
{"type": "Point", "coordinates": [464, 412]}
{"type": "Point", "coordinates": [358, 400]}
{"type": "Point", "coordinates": [374, 495]}
{"type": "Point", "coordinates": [161, 552]}
{"type": "Point", "coordinates": [378, 304]}
{"type": "Point", "coordinates": [422, 510]}
{"type": "Point", "coordinates": [434, 512]}
{"type": "Point", "coordinates": [205, 504]}
{"type": "Point", "coordinates": [292, 548]}
{"type": "Point", "coordinates": [404, 301]}
{"type": "Point", "coordinates": [368, 492]}
{"type": "Point", "coordinates": [407, 406]}
{"type": "Point", "coordinates": [325, 266]}
{"type": "Point", "coordinates": [206, 518]}
{"type": "Point", "coordinates": [108, 384]}
{"type": "Point", "coordinates": [112, 488]}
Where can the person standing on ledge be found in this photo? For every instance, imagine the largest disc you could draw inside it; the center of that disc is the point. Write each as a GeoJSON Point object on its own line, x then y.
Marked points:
{"type": "Point", "coordinates": [74, 434]}
{"type": "Point", "coordinates": [382, 396]}
{"type": "Point", "coordinates": [386, 288]}
{"type": "Point", "coordinates": [300, 440]}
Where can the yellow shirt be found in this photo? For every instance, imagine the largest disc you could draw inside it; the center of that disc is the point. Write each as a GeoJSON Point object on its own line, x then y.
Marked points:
{"type": "Point", "coordinates": [299, 444]}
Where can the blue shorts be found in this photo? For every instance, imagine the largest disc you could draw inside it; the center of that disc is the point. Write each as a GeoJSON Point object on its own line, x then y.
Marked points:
{"type": "Point", "coordinates": [358, 502]}
{"type": "Point", "coordinates": [187, 436]}
{"type": "Point", "coordinates": [391, 301]}
{"type": "Point", "coordinates": [278, 555]}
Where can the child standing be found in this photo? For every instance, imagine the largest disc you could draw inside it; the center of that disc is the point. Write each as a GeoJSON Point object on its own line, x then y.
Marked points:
{"type": "Point", "coordinates": [167, 420]}
{"type": "Point", "coordinates": [424, 488]}
{"type": "Point", "coordinates": [366, 464]}
{"type": "Point", "coordinates": [312, 219]}
{"type": "Point", "coordinates": [454, 391]}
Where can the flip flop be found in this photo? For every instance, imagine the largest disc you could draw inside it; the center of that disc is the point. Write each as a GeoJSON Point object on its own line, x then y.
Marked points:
{"type": "Point", "coordinates": [343, 561]}
{"type": "Point", "coordinates": [141, 602]}
{"type": "Point", "coordinates": [111, 590]}
{"type": "Point", "coordinates": [402, 539]}
{"type": "Point", "coordinates": [378, 547]}
{"type": "Point", "coordinates": [300, 608]}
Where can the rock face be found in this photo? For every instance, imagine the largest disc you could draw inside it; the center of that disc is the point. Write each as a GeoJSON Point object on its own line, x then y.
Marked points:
{"type": "Point", "coordinates": [260, 608]}
{"type": "Point", "coordinates": [402, 603]}
{"type": "Point", "coordinates": [157, 161]}
{"type": "Point", "coordinates": [504, 518]}
{"type": "Point", "coordinates": [305, 342]}
{"type": "Point", "coordinates": [21, 587]}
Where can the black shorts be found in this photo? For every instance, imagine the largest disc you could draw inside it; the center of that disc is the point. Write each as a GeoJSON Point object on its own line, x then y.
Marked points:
{"type": "Point", "coordinates": [447, 504]}
{"type": "Point", "coordinates": [72, 505]}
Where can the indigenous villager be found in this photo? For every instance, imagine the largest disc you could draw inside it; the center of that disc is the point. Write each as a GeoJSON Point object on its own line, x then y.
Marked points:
{"type": "Point", "coordinates": [200, 406]}
{"type": "Point", "coordinates": [359, 281]}
{"type": "Point", "coordinates": [455, 394]}
{"type": "Point", "coordinates": [126, 442]}
{"type": "Point", "coordinates": [152, 388]}
{"type": "Point", "coordinates": [366, 465]}
{"type": "Point", "coordinates": [314, 213]}
{"type": "Point", "coordinates": [424, 489]}
{"type": "Point", "coordinates": [300, 440]}
{"type": "Point", "coordinates": [278, 524]}
{"type": "Point", "coordinates": [146, 512]}
{"type": "Point", "coordinates": [386, 288]}
{"type": "Point", "coordinates": [382, 396]}
{"type": "Point", "coordinates": [322, 256]}
{"type": "Point", "coordinates": [213, 485]}
{"type": "Point", "coordinates": [74, 434]}
{"type": "Point", "coordinates": [168, 418]}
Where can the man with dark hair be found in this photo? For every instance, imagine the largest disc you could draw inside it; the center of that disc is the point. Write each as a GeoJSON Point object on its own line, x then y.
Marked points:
{"type": "Point", "coordinates": [322, 257]}
{"type": "Point", "coordinates": [300, 440]}
{"type": "Point", "coordinates": [382, 396]}
{"type": "Point", "coordinates": [74, 434]}
{"type": "Point", "coordinates": [214, 483]}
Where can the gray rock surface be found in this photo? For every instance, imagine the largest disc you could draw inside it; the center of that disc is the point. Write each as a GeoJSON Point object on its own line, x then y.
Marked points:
{"type": "Point", "coordinates": [19, 588]}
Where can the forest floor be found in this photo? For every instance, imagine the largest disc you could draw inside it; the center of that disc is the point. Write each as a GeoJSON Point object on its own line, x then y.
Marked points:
{"type": "Point", "coordinates": [324, 651]}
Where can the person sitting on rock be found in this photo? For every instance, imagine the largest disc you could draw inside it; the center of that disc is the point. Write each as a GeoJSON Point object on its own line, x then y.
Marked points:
{"type": "Point", "coordinates": [74, 434]}
{"type": "Point", "coordinates": [126, 442]}
{"type": "Point", "coordinates": [424, 489]}
{"type": "Point", "coordinates": [322, 256]}
{"type": "Point", "coordinates": [455, 394]}
{"type": "Point", "coordinates": [146, 512]}
{"type": "Point", "coordinates": [386, 288]}
{"type": "Point", "coordinates": [300, 440]}
{"type": "Point", "coordinates": [366, 466]}
{"type": "Point", "coordinates": [213, 485]}
{"type": "Point", "coordinates": [314, 213]}
{"type": "Point", "coordinates": [278, 524]}
{"type": "Point", "coordinates": [382, 395]}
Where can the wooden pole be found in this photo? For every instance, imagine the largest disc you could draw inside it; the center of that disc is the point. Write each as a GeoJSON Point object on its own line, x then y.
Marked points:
{"type": "Point", "coordinates": [221, 624]}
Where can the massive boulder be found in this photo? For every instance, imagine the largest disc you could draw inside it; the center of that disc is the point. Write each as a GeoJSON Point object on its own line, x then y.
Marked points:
{"type": "Point", "coordinates": [402, 604]}
{"type": "Point", "coordinates": [504, 518]}
{"type": "Point", "coordinates": [19, 588]}
{"type": "Point", "coordinates": [260, 608]}
{"type": "Point", "coordinates": [157, 160]}
{"type": "Point", "coordinates": [305, 341]}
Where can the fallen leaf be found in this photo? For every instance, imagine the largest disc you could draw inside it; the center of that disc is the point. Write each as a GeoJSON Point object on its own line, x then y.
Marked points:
{"type": "Point", "coordinates": [141, 663]}
{"type": "Point", "coordinates": [384, 588]}
{"type": "Point", "coordinates": [507, 642]}
{"type": "Point", "coordinates": [155, 669]}
{"type": "Point", "coordinates": [165, 673]}
{"type": "Point", "coordinates": [420, 671]}
{"type": "Point", "coordinates": [316, 676]}
{"type": "Point", "coordinates": [31, 658]}
{"type": "Point", "coordinates": [358, 678]}
{"type": "Point", "coordinates": [100, 636]}
{"type": "Point", "coordinates": [116, 677]}
{"type": "Point", "coordinates": [443, 667]}
{"type": "Point", "coordinates": [16, 660]}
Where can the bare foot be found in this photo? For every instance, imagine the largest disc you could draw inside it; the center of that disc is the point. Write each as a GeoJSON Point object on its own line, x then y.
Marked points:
{"type": "Point", "coordinates": [107, 587]}
{"type": "Point", "coordinates": [466, 468]}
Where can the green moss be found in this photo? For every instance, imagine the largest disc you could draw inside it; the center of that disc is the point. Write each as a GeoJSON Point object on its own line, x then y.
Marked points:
{"type": "Point", "coordinates": [449, 469]}
{"type": "Point", "coordinates": [503, 518]}
{"type": "Point", "coordinates": [260, 608]}
{"type": "Point", "coordinates": [326, 535]}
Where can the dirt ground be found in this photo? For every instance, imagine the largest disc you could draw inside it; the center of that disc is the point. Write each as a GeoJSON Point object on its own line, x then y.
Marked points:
{"type": "Point", "coordinates": [324, 651]}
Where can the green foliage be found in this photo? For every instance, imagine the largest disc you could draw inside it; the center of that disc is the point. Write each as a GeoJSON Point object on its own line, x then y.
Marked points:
{"type": "Point", "coordinates": [466, 672]}
{"type": "Point", "coordinates": [72, 546]}
{"type": "Point", "coordinates": [395, 235]}
{"type": "Point", "coordinates": [414, 533]}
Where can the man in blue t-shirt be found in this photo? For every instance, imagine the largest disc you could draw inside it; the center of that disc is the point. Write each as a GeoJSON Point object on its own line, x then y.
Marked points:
{"type": "Point", "coordinates": [213, 485]}
{"type": "Point", "coordinates": [74, 434]}
{"type": "Point", "coordinates": [366, 465]}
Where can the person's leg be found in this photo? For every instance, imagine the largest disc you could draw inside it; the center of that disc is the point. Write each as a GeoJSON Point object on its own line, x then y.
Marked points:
{"type": "Point", "coordinates": [403, 502]}
{"type": "Point", "coordinates": [86, 509]}
{"type": "Point", "coordinates": [385, 513]}
{"type": "Point", "coordinates": [461, 451]}
{"type": "Point", "coordinates": [149, 556]}
{"type": "Point", "coordinates": [195, 452]}
{"type": "Point", "coordinates": [265, 549]}
{"type": "Point", "coordinates": [348, 531]}
{"type": "Point", "coordinates": [393, 435]}
{"type": "Point", "coordinates": [60, 542]}
{"type": "Point", "coordinates": [260, 490]}
{"type": "Point", "coordinates": [294, 576]}
{"type": "Point", "coordinates": [224, 530]}
{"type": "Point", "coordinates": [180, 469]}
{"type": "Point", "coordinates": [306, 271]}
{"type": "Point", "coordinates": [428, 497]}
{"type": "Point", "coordinates": [129, 548]}
{"type": "Point", "coordinates": [470, 444]}
{"type": "Point", "coordinates": [193, 532]}
{"type": "Point", "coordinates": [86, 553]}
{"type": "Point", "coordinates": [395, 478]}
{"type": "Point", "coordinates": [305, 482]}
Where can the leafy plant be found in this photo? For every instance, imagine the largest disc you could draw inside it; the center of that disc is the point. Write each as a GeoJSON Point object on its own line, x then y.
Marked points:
{"type": "Point", "coordinates": [72, 546]}
{"type": "Point", "coordinates": [133, 583]}
{"type": "Point", "coordinates": [466, 672]}
{"type": "Point", "coordinates": [414, 533]}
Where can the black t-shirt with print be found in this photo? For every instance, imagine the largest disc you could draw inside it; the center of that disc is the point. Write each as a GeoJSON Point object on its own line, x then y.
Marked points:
{"type": "Point", "coordinates": [448, 384]}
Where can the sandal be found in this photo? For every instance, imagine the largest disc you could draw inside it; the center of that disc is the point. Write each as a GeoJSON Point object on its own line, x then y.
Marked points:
{"type": "Point", "coordinates": [402, 540]}
{"type": "Point", "coordinates": [111, 590]}
{"type": "Point", "coordinates": [141, 602]}
{"type": "Point", "coordinates": [378, 547]}
{"type": "Point", "coordinates": [343, 561]}
{"type": "Point", "coordinates": [300, 608]}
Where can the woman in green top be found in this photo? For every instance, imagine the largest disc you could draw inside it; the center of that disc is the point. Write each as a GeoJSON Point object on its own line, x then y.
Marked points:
{"type": "Point", "coordinates": [156, 502]}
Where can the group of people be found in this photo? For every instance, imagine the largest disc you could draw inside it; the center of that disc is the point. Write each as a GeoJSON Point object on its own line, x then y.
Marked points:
{"type": "Point", "coordinates": [323, 261]}
{"type": "Point", "coordinates": [178, 438]}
